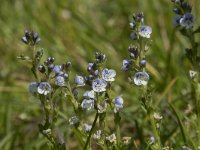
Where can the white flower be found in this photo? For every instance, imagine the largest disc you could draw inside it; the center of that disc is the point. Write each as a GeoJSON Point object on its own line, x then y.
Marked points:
{"type": "Point", "coordinates": [33, 87]}
{"type": "Point", "coordinates": [157, 116]}
{"type": "Point", "coordinates": [151, 140]}
{"type": "Point", "coordinates": [87, 104]}
{"type": "Point", "coordinates": [87, 127]}
{"type": "Point", "coordinates": [145, 31]}
{"type": "Point", "coordinates": [89, 94]}
{"type": "Point", "coordinates": [187, 20]}
{"type": "Point", "coordinates": [79, 80]}
{"type": "Point", "coordinates": [141, 78]}
{"type": "Point", "coordinates": [125, 64]}
{"type": "Point", "coordinates": [60, 81]}
{"type": "Point", "coordinates": [47, 131]}
{"type": "Point", "coordinates": [112, 138]}
{"type": "Point", "coordinates": [108, 74]}
{"type": "Point", "coordinates": [99, 85]}
{"type": "Point", "coordinates": [192, 73]}
{"type": "Point", "coordinates": [44, 88]}
{"type": "Point", "coordinates": [73, 120]}
{"type": "Point", "coordinates": [97, 135]}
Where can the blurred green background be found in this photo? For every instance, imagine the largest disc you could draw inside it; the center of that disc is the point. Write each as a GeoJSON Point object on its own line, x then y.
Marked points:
{"type": "Point", "coordinates": [73, 30]}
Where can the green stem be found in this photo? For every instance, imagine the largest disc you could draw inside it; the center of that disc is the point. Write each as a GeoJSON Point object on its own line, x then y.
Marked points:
{"type": "Point", "coordinates": [91, 131]}
{"type": "Point", "coordinates": [195, 84]}
{"type": "Point", "coordinates": [155, 130]}
{"type": "Point", "coordinates": [34, 65]}
{"type": "Point", "coordinates": [73, 100]}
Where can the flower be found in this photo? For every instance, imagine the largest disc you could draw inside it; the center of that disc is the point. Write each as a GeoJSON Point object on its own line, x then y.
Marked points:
{"type": "Point", "coordinates": [89, 94]}
{"type": "Point", "coordinates": [87, 104]}
{"type": "Point", "coordinates": [73, 120]}
{"type": "Point", "coordinates": [108, 74]}
{"type": "Point", "coordinates": [157, 116]}
{"type": "Point", "coordinates": [60, 81]}
{"type": "Point", "coordinates": [141, 78]}
{"type": "Point", "coordinates": [192, 74]}
{"type": "Point", "coordinates": [44, 88]}
{"type": "Point", "coordinates": [119, 102]}
{"type": "Point", "coordinates": [151, 140]}
{"type": "Point", "coordinates": [47, 131]}
{"type": "Point", "coordinates": [126, 64]}
{"type": "Point", "coordinates": [87, 127]}
{"type": "Point", "coordinates": [79, 80]}
{"type": "Point", "coordinates": [99, 85]}
{"type": "Point", "coordinates": [58, 69]}
{"type": "Point", "coordinates": [33, 87]}
{"type": "Point", "coordinates": [145, 31]}
{"type": "Point", "coordinates": [112, 138]}
{"type": "Point", "coordinates": [97, 135]}
{"type": "Point", "coordinates": [187, 20]}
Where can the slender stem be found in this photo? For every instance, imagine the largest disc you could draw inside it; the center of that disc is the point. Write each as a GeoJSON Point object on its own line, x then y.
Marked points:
{"type": "Point", "coordinates": [73, 100]}
{"type": "Point", "coordinates": [155, 130]}
{"type": "Point", "coordinates": [91, 131]}
{"type": "Point", "coordinates": [195, 84]}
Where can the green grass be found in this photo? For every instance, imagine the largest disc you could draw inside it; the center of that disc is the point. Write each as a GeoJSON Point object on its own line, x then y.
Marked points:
{"type": "Point", "coordinates": [73, 30]}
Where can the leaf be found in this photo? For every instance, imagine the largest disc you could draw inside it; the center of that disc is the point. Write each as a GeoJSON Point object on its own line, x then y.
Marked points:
{"type": "Point", "coordinates": [186, 138]}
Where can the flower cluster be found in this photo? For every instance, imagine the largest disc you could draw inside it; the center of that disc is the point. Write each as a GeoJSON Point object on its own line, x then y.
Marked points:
{"type": "Point", "coordinates": [100, 80]}
{"type": "Point", "coordinates": [30, 38]}
{"type": "Point", "coordinates": [183, 17]}
{"type": "Point", "coordinates": [97, 78]}
{"type": "Point", "coordinates": [141, 40]}
{"type": "Point", "coordinates": [51, 72]}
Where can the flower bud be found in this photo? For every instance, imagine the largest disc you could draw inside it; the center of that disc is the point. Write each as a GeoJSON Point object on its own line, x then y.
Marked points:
{"type": "Point", "coordinates": [41, 68]}
{"type": "Point", "coordinates": [143, 63]}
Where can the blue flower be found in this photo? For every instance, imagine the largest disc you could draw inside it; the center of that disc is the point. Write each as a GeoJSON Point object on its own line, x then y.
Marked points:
{"type": "Point", "coordinates": [99, 85]}
{"type": "Point", "coordinates": [125, 64]}
{"type": "Point", "coordinates": [187, 20]}
{"type": "Point", "coordinates": [141, 78]}
{"type": "Point", "coordinates": [108, 74]}
{"type": "Point", "coordinates": [145, 31]}
{"type": "Point", "coordinates": [33, 87]}
{"type": "Point", "coordinates": [60, 81]}
{"type": "Point", "coordinates": [79, 80]}
{"type": "Point", "coordinates": [87, 104]}
{"type": "Point", "coordinates": [89, 94]}
{"type": "Point", "coordinates": [119, 102]}
{"type": "Point", "coordinates": [44, 88]}
{"type": "Point", "coordinates": [58, 69]}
